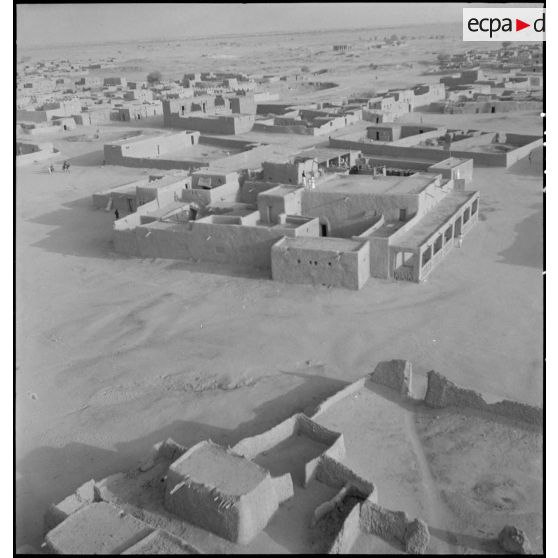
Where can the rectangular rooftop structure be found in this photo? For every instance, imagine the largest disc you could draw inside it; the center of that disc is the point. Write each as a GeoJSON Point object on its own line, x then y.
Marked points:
{"type": "Point", "coordinates": [212, 465]}
{"type": "Point", "coordinates": [379, 185]}
{"type": "Point", "coordinates": [98, 528]}
{"type": "Point", "coordinates": [334, 262]}
{"type": "Point", "coordinates": [434, 219]}
{"type": "Point", "coordinates": [225, 493]}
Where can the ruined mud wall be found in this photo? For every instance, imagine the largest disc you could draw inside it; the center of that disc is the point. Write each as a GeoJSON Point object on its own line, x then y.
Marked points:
{"type": "Point", "coordinates": [395, 525]}
{"type": "Point", "coordinates": [442, 392]}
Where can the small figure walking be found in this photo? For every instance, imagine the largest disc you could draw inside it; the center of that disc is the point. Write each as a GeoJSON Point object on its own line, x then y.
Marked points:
{"type": "Point", "coordinates": [116, 214]}
{"type": "Point", "coordinates": [50, 168]}
{"type": "Point", "coordinates": [460, 240]}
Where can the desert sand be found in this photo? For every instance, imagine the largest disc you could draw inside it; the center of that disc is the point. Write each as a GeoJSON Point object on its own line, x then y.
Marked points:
{"type": "Point", "coordinates": [115, 354]}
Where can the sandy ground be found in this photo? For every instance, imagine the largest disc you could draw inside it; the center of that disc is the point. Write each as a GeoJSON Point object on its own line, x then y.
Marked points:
{"type": "Point", "coordinates": [115, 354]}
{"type": "Point", "coordinates": [467, 474]}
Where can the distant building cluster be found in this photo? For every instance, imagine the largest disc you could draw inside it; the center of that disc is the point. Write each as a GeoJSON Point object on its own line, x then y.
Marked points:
{"type": "Point", "coordinates": [386, 200]}
{"type": "Point", "coordinates": [504, 80]}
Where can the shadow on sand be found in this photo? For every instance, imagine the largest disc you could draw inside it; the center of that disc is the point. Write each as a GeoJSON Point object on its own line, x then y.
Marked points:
{"type": "Point", "coordinates": [526, 167]}
{"type": "Point", "coordinates": [84, 231]}
{"type": "Point", "coordinates": [475, 544]}
{"type": "Point", "coordinates": [74, 223]}
{"type": "Point", "coordinates": [527, 249]}
{"type": "Point", "coordinates": [47, 474]}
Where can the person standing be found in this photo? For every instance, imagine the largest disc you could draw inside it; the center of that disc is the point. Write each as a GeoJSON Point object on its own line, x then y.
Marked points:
{"type": "Point", "coordinates": [116, 214]}
{"type": "Point", "coordinates": [460, 240]}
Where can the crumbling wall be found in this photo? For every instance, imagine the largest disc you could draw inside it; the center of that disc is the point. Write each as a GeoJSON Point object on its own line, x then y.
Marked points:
{"type": "Point", "coordinates": [395, 374]}
{"type": "Point", "coordinates": [442, 392]}
{"type": "Point", "coordinates": [395, 525]}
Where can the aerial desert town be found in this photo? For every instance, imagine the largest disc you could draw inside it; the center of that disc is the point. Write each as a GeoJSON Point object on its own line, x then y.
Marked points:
{"type": "Point", "coordinates": [279, 292]}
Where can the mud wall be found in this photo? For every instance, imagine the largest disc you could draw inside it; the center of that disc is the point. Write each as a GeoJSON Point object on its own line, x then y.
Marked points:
{"type": "Point", "coordinates": [237, 244]}
{"type": "Point", "coordinates": [324, 266]}
{"type": "Point", "coordinates": [348, 534]}
{"type": "Point", "coordinates": [379, 255]}
{"type": "Point", "coordinates": [237, 124]}
{"type": "Point", "coordinates": [394, 525]}
{"type": "Point", "coordinates": [335, 398]}
{"type": "Point", "coordinates": [520, 152]}
{"type": "Point", "coordinates": [339, 208]}
{"type": "Point", "coordinates": [474, 141]}
{"type": "Point", "coordinates": [34, 157]}
{"type": "Point", "coordinates": [414, 139]}
{"type": "Point", "coordinates": [442, 392]}
{"type": "Point", "coordinates": [430, 154]}
{"type": "Point", "coordinates": [336, 474]}
{"type": "Point", "coordinates": [248, 192]}
{"type": "Point", "coordinates": [395, 374]}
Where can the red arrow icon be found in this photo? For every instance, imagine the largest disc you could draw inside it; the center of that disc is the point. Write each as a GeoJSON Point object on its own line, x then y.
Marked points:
{"type": "Point", "coordinates": [519, 25]}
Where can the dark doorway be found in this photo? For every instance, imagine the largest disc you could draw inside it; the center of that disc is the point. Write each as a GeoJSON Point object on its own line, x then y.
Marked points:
{"type": "Point", "coordinates": [192, 139]}
{"type": "Point", "coordinates": [402, 214]}
{"type": "Point", "coordinates": [493, 110]}
{"type": "Point", "coordinates": [323, 229]}
{"type": "Point", "coordinates": [377, 135]}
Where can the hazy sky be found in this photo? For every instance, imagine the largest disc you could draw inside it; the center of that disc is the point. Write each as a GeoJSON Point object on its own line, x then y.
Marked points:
{"type": "Point", "coordinates": [71, 23]}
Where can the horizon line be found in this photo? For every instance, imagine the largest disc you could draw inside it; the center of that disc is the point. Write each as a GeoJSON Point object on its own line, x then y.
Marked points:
{"type": "Point", "coordinates": [231, 35]}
